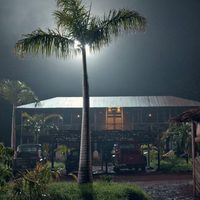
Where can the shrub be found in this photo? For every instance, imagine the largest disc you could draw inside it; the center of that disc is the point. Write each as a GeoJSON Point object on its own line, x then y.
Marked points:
{"type": "Point", "coordinates": [97, 191]}
{"type": "Point", "coordinates": [175, 165]}
{"type": "Point", "coordinates": [106, 178]}
{"type": "Point", "coordinates": [6, 155]}
{"type": "Point", "coordinates": [32, 184]}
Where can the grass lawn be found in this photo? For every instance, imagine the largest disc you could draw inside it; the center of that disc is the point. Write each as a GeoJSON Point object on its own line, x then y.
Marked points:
{"type": "Point", "coordinates": [97, 191]}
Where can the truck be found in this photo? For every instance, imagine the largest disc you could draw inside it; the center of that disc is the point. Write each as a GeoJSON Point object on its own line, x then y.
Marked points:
{"type": "Point", "coordinates": [27, 157]}
{"type": "Point", "coordinates": [128, 155]}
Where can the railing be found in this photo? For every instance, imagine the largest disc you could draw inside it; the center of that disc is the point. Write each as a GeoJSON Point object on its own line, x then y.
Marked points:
{"type": "Point", "coordinates": [100, 127]}
{"type": "Point", "coordinates": [120, 127]}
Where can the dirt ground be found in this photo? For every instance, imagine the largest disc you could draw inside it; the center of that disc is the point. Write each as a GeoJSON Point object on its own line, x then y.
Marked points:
{"type": "Point", "coordinates": [161, 186]}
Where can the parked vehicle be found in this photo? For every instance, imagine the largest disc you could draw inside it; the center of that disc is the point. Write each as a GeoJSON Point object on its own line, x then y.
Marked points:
{"type": "Point", "coordinates": [127, 155]}
{"type": "Point", "coordinates": [27, 156]}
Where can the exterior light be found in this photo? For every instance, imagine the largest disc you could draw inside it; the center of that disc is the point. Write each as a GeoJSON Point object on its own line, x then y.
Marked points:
{"type": "Point", "coordinates": [78, 116]}
{"type": "Point", "coordinates": [109, 110]}
{"type": "Point", "coordinates": [118, 110]}
{"type": "Point", "coordinates": [150, 115]}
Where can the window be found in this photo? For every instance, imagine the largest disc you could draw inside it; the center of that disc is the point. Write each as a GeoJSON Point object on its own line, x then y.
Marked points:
{"type": "Point", "coordinates": [114, 118]}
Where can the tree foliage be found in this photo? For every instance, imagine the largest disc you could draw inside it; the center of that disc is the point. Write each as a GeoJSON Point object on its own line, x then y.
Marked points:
{"type": "Point", "coordinates": [17, 92]}
{"type": "Point", "coordinates": [39, 123]}
{"type": "Point", "coordinates": [33, 184]}
{"type": "Point", "coordinates": [76, 25]}
{"type": "Point", "coordinates": [180, 135]}
{"type": "Point", "coordinates": [6, 155]}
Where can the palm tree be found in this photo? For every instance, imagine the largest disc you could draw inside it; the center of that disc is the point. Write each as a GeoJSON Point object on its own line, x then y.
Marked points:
{"type": "Point", "coordinates": [17, 93]}
{"type": "Point", "coordinates": [38, 123]}
{"type": "Point", "coordinates": [76, 25]}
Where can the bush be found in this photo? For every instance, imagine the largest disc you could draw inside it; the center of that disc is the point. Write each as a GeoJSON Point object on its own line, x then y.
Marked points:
{"type": "Point", "coordinates": [6, 155]}
{"type": "Point", "coordinates": [32, 185]}
{"type": "Point", "coordinates": [58, 166]}
{"type": "Point", "coordinates": [175, 165]}
{"type": "Point", "coordinates": [6, 192]}
{"type": "Point", "coordinates": [97, 191]}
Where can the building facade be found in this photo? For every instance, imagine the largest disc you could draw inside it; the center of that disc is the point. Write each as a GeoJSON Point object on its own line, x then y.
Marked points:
{"type": "Point", "coordinates": [123, 117]}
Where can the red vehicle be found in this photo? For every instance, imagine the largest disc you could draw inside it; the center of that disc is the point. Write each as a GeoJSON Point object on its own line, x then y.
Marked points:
{"type": "Point", "coordinates": [127, 155]}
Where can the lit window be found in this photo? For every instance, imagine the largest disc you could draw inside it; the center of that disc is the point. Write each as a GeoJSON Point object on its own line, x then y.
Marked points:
{"type": "Point", "coordinates": [109, 110]}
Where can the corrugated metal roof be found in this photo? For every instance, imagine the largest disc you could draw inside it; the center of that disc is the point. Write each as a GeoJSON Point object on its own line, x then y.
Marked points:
{"type": "Point", "coordinates": [121, 101]}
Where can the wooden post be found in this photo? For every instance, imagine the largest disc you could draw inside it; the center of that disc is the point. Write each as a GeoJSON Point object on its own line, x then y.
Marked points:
{"type": "Point", "coordinates": [22, 124]}
{"type": "Point", "coordinates": [193, 157]}
{"type": "Point", "coordinates": [95, 120]}
{"type": "Point", "coordinates": [122, 119]}
{"type": "Point", "coordinates": [102, 157]}
{"type": "Point", "coordinates": [148, 156]}
{"type": "Point", "coordinates": [106, 164]}
{"type": "Point", "coordinates": [52, 152]}
{"type": "Point", "coordinates": [158, 152]}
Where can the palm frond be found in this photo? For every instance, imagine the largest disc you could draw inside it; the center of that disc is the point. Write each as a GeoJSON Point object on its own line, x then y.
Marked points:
{"type": "Point", "coordinates": [47, 43]}
{"type": "Point", "coordinates": [6, 86]}
{"type": "Point", "coordinates": [17, 92]}
{"type": "Point", "coordinates": [101, 31]}
{"type": "Point", "coordinates": [95, 36]}
{"type": "Point", "coordinates": [71, 6]}
{"type": "Point", "coordinates": [26, 115]}
{"type": "Point", "coordinates": [26, 95]}
{"type": "Point", "coordinates": [53, 116]}
{"type": "Point", "coordinates": [123, 19]}
{"type": "Point", "coordinates": [73, 17]}
{"type": "Point", "coordinates": [63, 19]}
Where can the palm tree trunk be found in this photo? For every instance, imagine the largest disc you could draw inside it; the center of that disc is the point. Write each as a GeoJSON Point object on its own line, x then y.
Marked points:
{"type": "Point", "coordinates": [85, 162]}
{"type": "Point", "coordinates": [13, 129]}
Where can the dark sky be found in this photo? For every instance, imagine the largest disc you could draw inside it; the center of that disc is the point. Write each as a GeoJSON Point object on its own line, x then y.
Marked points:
{"type": "Point", "coordinates": [163, 60]}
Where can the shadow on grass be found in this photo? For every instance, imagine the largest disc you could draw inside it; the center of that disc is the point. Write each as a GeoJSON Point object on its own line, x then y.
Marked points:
{"type": "Point", "coordinates": [87, 192]}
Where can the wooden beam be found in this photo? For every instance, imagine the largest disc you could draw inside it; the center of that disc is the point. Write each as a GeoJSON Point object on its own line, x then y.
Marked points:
{"type": "Point", "coordinates": [193, 131]}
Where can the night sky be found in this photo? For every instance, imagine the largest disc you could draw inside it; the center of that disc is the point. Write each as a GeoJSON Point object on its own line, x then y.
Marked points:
{"type": "Point", "coordinates": [163, 60]}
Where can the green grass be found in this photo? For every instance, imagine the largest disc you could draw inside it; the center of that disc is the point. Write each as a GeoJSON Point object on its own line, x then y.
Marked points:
{"type": "Point", "coordinates": [98, 191]}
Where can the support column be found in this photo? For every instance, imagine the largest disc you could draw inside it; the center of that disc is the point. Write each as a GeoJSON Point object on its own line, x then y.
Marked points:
{"type": "Point", "coordinates": [193, 131]}
{"type": "Point", "coordinates": [148, 155]}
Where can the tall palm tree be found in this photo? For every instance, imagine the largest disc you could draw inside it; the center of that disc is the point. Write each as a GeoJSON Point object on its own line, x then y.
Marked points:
{"type": "Point", "coordinates": [76, 25]}
{"type": "Point", "coordinates": [17, 93]}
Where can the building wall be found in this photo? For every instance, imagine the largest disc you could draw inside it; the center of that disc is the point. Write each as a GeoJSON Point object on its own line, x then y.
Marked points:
{"type": "Point", "coordinates": [103, 119]}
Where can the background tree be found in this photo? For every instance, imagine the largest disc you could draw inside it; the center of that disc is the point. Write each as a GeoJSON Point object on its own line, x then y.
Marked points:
{"type": "Point", "coordinates": [39, 123]}
{"type": "Point", "coordinates": [76, 28]}
{"type": "Point", "coordinates": [180, 136]}
{"type": "Point", "coordinates": [16, 93]}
